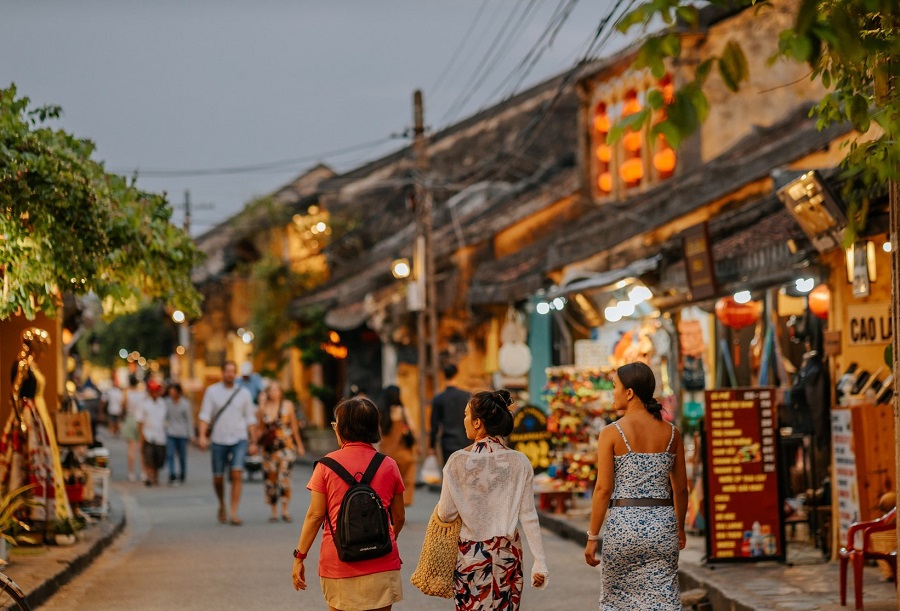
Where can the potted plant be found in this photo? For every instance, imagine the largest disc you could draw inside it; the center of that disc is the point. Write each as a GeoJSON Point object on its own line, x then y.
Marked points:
{"type": "Point", "coordinates": [65, 530]}
{"type": "Point", "coordinates": [14, 530]}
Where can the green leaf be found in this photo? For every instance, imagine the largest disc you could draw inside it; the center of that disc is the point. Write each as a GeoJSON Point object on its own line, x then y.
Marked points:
{"type": "Point", "coordinates": [703, 70]}
{"type": "Point", "coordinates": [629, 20]}
{"type": "Point", "coordinates": [733, 66]}
{"type": "Point", "coordinates": [670, 131]}
{"type": "Point", "coordinates": [683, 114]}
{"type": "Point", "coordinates": [633, 122]}
{"type": "Point", "coordinates": [806, 16]}
{"type": "Point", "coordinates": [858, 112]}
{"type": "Point", "coordinates": [694, 93]}
{"type": "Point", "coordinates": [801, 48]}
{"type": "Point", "coordinates": [655, 99]}
{"type": "Point", "coordinates": [670, 45]}
{"type": "Point", "coordinates": [688, 14]}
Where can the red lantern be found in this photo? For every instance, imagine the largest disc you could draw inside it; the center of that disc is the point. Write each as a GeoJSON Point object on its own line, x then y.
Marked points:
{"type": "Point", "coordinates": [737, 315]}
{"type": "Point", "coordinates": [820, 301]}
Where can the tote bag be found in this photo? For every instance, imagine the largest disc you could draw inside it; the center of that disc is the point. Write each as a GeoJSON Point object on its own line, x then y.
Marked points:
{"type": "Point", "coordinates": [434, 573]}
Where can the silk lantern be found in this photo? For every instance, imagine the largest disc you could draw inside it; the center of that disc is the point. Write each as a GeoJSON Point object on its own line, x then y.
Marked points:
{"type": "Point", "coordinates": [737, 316]}
{"type": "Point", "coordinates": [819, 300]}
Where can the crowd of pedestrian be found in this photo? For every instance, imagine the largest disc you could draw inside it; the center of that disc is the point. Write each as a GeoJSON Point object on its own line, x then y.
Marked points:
{"type": "Point", "coordinates": [487, 487]}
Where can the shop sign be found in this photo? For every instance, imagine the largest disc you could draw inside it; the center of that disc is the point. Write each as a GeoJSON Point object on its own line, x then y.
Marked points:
{"type": "Point", "coordinates": [742, 491]}
{"type": "Point", "coordinates": [698, 262]}
{"type": "Point", "coordinates": [844, 471]}
{"type": "Point", "coordinates": [869, 323]}
{"type": "Point", "coordinates": [531, 437]}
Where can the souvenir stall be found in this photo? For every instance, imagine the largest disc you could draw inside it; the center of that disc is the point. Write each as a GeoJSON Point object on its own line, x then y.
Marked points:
{"type": "Point", "coordinates": [580, 401]}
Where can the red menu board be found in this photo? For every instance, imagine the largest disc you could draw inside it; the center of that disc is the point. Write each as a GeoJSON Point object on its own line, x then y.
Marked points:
{"type": "Point", "coordinates": [742, 491]}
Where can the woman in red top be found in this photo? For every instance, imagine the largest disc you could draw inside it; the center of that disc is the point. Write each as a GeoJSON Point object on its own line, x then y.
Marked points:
{"type": "Point", "coordinates": [365, 585]}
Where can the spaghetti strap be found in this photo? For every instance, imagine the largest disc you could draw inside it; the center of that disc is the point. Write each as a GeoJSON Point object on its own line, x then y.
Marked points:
{"type": "Point", "coordinates": [672, 438]}
{"type": "Point", "coordinates": [625, 439]}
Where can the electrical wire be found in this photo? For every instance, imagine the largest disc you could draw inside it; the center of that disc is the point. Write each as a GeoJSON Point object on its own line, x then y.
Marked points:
{"type": "Point", "coordinates": [279, 166]}
{"type": "Point", "coordinates": [458, 51]}
{"type": "Point", "coordinates": [484, 67]}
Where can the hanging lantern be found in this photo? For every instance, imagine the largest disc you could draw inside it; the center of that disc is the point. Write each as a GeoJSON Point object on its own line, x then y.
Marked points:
{"type": "Point", "coordinates": [737, 315]}
{"type": "Point", "coordinates": [604, 153]}
{"type": "Point", "coordinates": [605, 182]}
{"type": "Point", "coordinates": [632, 171]}
{"type": "Point", "coordinates": [664, 161]}
{"type": "Point", "coordinates": [819, 300]}
{"type": "Point", "coordinates": [632, 141]}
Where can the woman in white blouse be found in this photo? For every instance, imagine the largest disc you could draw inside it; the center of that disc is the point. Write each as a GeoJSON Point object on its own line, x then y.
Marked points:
{"type": "Point", "coordinates": [490, 487]}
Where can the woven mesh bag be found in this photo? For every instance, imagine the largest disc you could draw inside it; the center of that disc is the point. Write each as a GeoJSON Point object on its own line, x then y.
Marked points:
{"type": "Point", "coordinates": [434, 573]}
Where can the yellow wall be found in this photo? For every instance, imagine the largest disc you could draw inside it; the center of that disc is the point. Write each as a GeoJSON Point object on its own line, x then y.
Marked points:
{"type": "Point", "coordinates": [869, 357]}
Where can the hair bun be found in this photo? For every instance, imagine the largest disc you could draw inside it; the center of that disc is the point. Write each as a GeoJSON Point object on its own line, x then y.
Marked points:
{"type": "Point", "coordinates": [503, 397]}
{"type": "Point", "coordinates": [654, 407]}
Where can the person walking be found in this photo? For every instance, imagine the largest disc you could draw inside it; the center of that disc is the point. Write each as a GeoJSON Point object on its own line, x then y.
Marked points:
{"type": "Point", "coordinates": [133, 399]}
{"type": "Point", "coordinates": [639, 460]}
{"type": "Point", "coordinates": [398, 438]}
{"type": "Point", "coordinates": [363, 585]}
{"type": "Point", "coordinates": [490, 487]}
{"type": "Point", "coordinates": [447, 413]}
{"type": "Point", "coordinates": [179, 431]}
{"type": "Point", "coordinates": [114, 398]}
{"type": "Point", "coordinates": [280, 445]}
{"type": "Point", "coordinates": [151, 421]}
{"type": "Point", "coordinates": [253, 382]}
{"type": "Point", "coordinates": [228, 427]}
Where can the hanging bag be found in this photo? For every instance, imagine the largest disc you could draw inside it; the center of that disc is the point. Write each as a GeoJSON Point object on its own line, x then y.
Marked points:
{"type": "Point", "coordinates": [437, 562]}
{"type": "Point", "coordinates": [73, 427]}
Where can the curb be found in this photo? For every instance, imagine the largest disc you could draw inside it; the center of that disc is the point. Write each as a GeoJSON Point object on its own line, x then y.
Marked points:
{"type": "Point", "coordinates": [61, 565]}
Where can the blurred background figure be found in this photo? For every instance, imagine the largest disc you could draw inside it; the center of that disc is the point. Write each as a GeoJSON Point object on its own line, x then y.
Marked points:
{"type": "Point", "coordinates": [134, 396]}
{"type": "Point", "coordinates": [280, 444]}
{"type": "Point", "coordinates": [399, 439]}
{"type": "Point", "coordinates": [253, 382]}
{"type": "Point", "coordinates": [151, 419]}
{"type": "Point", "coordinates": [114, 398]}
{"type": "Point", "coordinates": [448, 409]}
{"type": "Point", "coordinates": [179, 431]}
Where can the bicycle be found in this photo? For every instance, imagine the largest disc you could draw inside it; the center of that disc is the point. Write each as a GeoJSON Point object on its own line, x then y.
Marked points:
{"type": "Point", "coordinates": [11, 595]}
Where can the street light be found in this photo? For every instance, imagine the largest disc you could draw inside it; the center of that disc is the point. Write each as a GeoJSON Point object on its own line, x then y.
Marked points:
{"type": "Point", "coordinates": [400, 268]}
{"type": "Point", "coordinates": [178, 316]}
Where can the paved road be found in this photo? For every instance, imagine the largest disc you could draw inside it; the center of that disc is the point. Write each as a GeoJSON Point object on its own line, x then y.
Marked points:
{"type": "Point", "coordinates": [175, 555]}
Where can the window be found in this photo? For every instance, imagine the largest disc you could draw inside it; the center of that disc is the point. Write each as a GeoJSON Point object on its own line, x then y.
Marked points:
{"type": "Point", "coordinates": [633, 162]}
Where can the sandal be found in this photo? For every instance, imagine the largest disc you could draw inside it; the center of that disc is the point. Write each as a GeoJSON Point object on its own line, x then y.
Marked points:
{"type": "Point", "coordinates": [287, 517]}
{"type": "Point", "coordinates": [273, 519]}
{"type": "Point", "coordinates": [236, 521]}
{"type": "Point", "coordinates": [222, 516]}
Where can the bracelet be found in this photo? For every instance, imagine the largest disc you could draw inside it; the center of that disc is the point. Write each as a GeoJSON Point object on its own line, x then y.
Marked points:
{"type": "Point", "coordinates": [591, 537]}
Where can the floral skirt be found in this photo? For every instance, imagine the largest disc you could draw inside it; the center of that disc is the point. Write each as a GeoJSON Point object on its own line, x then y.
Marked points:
{"type": "Point", "coordinates": [488, 574]}
{"type": "Point", "coordinates": [277, 468]}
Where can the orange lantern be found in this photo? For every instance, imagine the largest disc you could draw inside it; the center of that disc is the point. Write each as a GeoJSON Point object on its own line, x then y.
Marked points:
{"type": "Point", "coordinates": [605, 182]}
{"type": "Point", "coordinates": [632, 141]}
{"type": "Point", "coordinates": [737, 315]}
{"type": "Point", "coordinates": [631, 106]}
{"type": "Point", "coordinates": [632, 171]}
{"type": "Point", "coordinates": [819, 300]}
{"type": "Point", "coordinates": [664, 160]}
{"type": "Point", "coordinates": [604, 153]}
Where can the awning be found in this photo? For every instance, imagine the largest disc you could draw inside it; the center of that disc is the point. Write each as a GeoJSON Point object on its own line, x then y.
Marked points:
{"type": "Point", "coordinates": [601, 280]}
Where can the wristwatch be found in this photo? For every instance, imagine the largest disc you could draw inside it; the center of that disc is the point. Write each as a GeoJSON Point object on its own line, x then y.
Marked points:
{"type": "Point", "coordinates": [592, 537]}
{"type": "Point", "coordinates": [299, 555]}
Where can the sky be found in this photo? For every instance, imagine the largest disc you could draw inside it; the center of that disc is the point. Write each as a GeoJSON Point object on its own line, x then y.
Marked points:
{"type": "Point", "coordinates": [184, 93]}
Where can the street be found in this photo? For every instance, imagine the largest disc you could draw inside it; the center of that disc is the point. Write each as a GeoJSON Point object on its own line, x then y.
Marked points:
{"type": "Point", "coordinates": [173, 553]}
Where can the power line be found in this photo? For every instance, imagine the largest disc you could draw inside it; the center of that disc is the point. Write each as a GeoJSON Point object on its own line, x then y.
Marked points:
{"type": "Point", "coordinates": [485, 66]}
{"type": "Point", "coordinates": [458, 51]}
{"type": "Point", "coordinates": [282, 165]}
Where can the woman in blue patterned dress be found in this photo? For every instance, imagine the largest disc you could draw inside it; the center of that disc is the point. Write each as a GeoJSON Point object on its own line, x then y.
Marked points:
{"type": "Point", "coordinates": [641, 491]}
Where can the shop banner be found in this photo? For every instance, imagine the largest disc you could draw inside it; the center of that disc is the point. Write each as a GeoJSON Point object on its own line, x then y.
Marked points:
{"type": "Point", "coordinates": [531, 437]}
{"type": "Point", "coordinates": [844, 471]}
{"type": "Point", "coordinates": [742, 490]}
{"type": "Point", "coordinates": [869, 323]}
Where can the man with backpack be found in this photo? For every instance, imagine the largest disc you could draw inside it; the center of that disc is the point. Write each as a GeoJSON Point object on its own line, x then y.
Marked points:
{"type": "Point", "coordinates": [358, 493]}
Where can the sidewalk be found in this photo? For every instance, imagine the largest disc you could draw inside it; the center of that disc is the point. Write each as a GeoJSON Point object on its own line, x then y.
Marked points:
{"type": "Point", "coordinates": [41, 571]}
{"type": "Point", "coordinates": [804, 583]}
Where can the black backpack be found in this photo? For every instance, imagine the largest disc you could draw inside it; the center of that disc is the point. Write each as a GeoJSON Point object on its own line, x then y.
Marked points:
{"type": "Point", "coordinates": [363, 529]}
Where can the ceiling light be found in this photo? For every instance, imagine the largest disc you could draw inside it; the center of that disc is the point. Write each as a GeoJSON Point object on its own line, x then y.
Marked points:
{"type": "Point", "coordinates": [742, 297]}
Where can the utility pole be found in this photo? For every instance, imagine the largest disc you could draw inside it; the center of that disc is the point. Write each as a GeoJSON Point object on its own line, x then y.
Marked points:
{"type": "Point", "coordinates": [187, 211]}
{"type": "Point", "coordinates": [427, 346]}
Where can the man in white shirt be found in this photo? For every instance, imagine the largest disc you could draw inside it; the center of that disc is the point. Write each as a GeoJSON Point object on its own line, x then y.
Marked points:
{"type": "Point", "coordinates": [151, 420]}
{"type": "Point", "coordinates": [227, 421]}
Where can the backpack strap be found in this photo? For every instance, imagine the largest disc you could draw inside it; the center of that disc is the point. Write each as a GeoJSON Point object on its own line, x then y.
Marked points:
{"type": "Point", "coordinates": [339, 469]}
{"type": "Point", "coordinates": [372, 468]}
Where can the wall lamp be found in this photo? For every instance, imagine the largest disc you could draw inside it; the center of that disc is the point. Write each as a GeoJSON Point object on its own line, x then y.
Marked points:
{"type": "Point", "coordinates": [400, 268]}
{"type": "Point", "coordinates": [818, 211]}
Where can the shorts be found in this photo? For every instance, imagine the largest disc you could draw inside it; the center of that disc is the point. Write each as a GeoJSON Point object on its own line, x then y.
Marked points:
{"type": "Point", "coordinates": [154, 455]}
{"type": "Point", "coordinates": [361, 593]}
{"type": "Point", "coordinates": [232, 456]}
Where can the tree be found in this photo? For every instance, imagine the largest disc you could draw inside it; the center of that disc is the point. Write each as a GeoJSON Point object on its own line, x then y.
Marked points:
{"type": "Point", "coordinates": [853, 48]}
{"type": "Point", "coordinates": [66, 225]}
